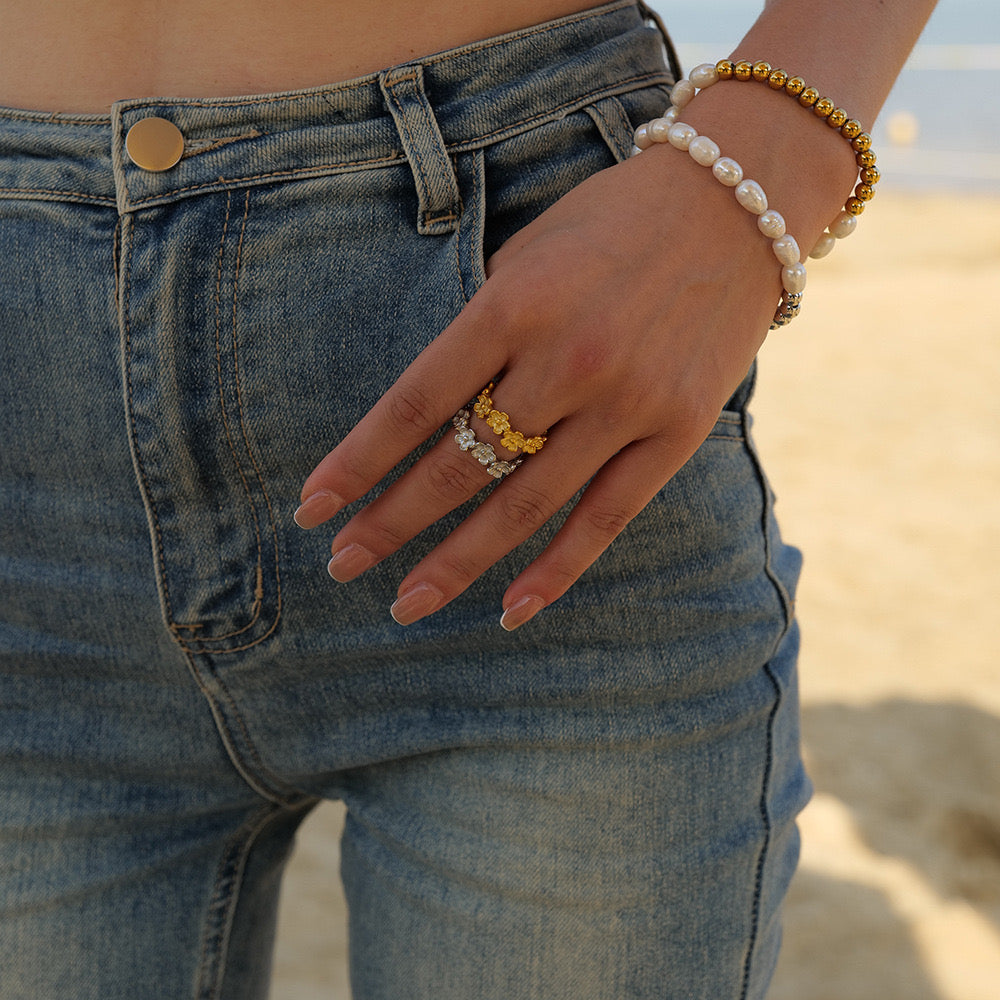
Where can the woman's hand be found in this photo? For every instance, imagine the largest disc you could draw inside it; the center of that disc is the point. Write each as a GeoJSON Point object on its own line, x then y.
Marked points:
{"type": "Point", "coordinates": [620, 322]}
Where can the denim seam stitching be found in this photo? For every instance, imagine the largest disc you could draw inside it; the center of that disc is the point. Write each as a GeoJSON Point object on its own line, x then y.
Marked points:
{"type": "Point", "coordinates": [92, 198]}
{"type": "Point", "coordinates": [414, 76]}
{"type": "Point", "coordinates": [396, 158]}
{"type": "Point", "coordinates": [244, 756]}
{"type": "Point", "coordinates": [137, 457]}
{"type": "Point", "coordinates": [226, 424]}
{"type": "Point", "coordinates": [225, 897]}
{"type": "Point", "coordinates": [788, 612]}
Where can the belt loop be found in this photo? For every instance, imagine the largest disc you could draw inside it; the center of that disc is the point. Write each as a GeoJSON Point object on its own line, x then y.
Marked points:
{"type": "Point", "coordinates": [673, 61]}
{"type": "Point", "coordinates": [440, 204]}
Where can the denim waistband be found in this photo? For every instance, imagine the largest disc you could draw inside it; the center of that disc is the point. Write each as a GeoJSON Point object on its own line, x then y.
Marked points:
{"type": "Point", "coordinates": [475, 95]}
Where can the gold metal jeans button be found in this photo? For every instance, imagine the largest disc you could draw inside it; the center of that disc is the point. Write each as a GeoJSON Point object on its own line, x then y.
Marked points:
{"type": "Point", "coordinates": [154, 144]}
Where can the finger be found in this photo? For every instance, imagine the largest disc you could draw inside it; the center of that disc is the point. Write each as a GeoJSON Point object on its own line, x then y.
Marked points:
{"type": "Point", "coordinates": [470, 455]}
{"type": "Point", "coordinates": [522, 503]}
{"type": "Point", "coordinates": [425, 395]}
{"type": "Point", "coordinates": [443, 479]}
{"type": "Point", "coordinates": [622, 488]}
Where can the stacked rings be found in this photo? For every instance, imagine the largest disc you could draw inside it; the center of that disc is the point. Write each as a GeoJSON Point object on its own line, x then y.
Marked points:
{"type": "Point", "coordinates": [483, 453]}
{"type": "Point", "coordinates": [499, 423]}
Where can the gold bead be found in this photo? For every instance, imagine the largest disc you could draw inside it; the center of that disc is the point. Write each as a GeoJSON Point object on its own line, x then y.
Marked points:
{"type": "Point", "coordinates": [513, 440]}
{"type": "Point", "coordinates": [823, 107]}
{"type": "Point", "coordinates": [777, 79]}
{"type": "Point", "coordinates": [854, 206]}
{"type": "Point", "coordinates": [864, 192]}
{"type": "Point", "coordinates": [532, 445]}
{"type": "Point", "coordinates": [862, 143]}
{"type": "Point", "coordinates": [743, 70]}
{"type": "Point", "coordinates": [808, 97]}
{"type": "Point", "coordinates": [851, 128]}
{"type": "Point", "coordinates": [761, 71]}
{"type": "Point", "coordinates": [836, 118]}
{"type": "Point", "coordinates": [724, 68]}
{"type": "Point", "coordinates": [871, 175]}
{"type": "Point", "coordinates": [795, 86]}
{"type": "Point", "coordinates": [865, 159]}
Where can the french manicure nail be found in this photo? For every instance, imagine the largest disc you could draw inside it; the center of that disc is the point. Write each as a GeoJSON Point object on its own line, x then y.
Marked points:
{"type": "Point", "coordinates": [351, 561]}
{"type": "Point", "coordinates": [317, 508]}
{"type": "Point", "coordinates": [520, 612]}
{"type": "Point", "coordinates": [416, 603]}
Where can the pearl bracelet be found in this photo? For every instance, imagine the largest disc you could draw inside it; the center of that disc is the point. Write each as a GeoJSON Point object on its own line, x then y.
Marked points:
{"type": "Point", "coordinates": [707, 74]}
{"type": "Point", "coordinates": [748, 193]}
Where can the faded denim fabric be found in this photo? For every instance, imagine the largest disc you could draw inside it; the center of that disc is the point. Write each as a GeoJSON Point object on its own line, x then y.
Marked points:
{"type": "Point", "coordinates": [599, 806]}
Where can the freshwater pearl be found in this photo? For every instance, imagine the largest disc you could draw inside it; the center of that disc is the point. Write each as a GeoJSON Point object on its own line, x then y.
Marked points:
{"type": "Point", "coordinates": [786, 249]}
{"type": "Point", "coordinates": [823, 246]}
{"type": "Point", "coordinates": [727, 171]}
{"type": "Point", "coordinates": [771, 224]}
{"type": "Point", "coordinates": [658, 129]}
{"type": "Point", "coordinates": [843, 225]}
{"type": "Point", "coordinates": [704, 75]}
{"type": "Point", "coordinates": [703, 150]}
{"type": "Point", "coordinates": [751, 196]}
{"type": "Point", "coordinates": [671, 114]}
{"type": "Point", "coordinates": [641, 136]}
{"type": "Point", "coordinates": [682, 92]}
{"type": "Point", "coordinates": [793, 278]}
{"type": "Point", "coordinates": [680, 135]}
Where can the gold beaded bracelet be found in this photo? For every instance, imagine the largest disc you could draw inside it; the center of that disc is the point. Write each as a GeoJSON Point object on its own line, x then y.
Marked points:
{"type": "Point", "coordinates": [499, 423]}
{"type": "Point", "coordinates": [824, 108]}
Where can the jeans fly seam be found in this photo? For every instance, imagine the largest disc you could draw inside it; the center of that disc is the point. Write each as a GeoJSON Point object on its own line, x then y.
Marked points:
{"type": "Point", "coordinates": [136, 455]}
{"type": "Point", "coordinates": [226, 418]}
{"type": "Point", "coordinates": [245, 758]}
{"type": "Point", "coordinates": [258, 592]}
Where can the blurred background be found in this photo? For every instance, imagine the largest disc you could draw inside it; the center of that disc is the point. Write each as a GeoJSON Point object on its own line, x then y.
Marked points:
{"type": "Point", "coordinates": [878, 417]}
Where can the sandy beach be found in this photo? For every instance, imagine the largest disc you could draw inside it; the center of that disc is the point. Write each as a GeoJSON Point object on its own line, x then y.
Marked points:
{"type": "Point", "coordinates": [878, 417]}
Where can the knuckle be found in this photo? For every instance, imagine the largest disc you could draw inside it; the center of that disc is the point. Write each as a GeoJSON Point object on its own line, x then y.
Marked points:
{"type": "Point", "coordinates": [409, 410]}
{"type": "Point", "coordinates": [520, 510]}
{"type": "Point", "coordinates": [450, 480]}
{"type": "Point", "coordinates": [606, 521]}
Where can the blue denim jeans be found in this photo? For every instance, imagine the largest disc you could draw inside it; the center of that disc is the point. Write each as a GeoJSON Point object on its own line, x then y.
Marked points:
{"type": "Point", "coordinates": [597, 806]}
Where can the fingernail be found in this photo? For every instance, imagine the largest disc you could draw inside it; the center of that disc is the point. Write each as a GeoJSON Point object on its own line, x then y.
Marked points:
{"type": "Point", "coordinates": [521, 611]}
{"type": "Point", "coordinates": [351, 561]}
{"type": "Point", "coordinates": [416, 603]}
{"type": "Point", "coordinates": [317, 508]}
